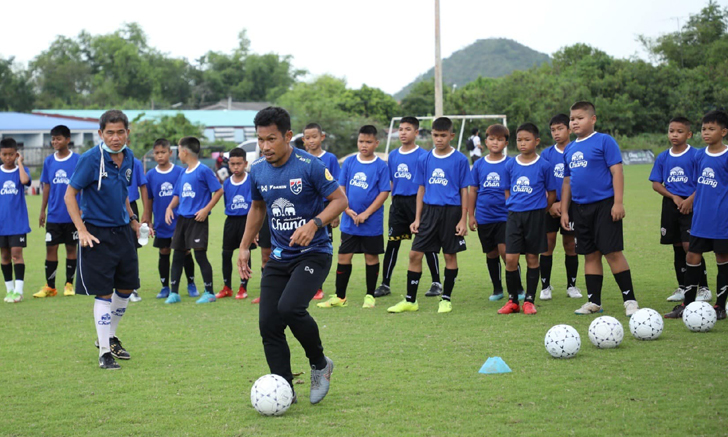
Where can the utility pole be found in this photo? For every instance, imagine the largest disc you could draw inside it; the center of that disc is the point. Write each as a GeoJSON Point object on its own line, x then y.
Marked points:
{"type": "Point", "coordinates": [438, 63]}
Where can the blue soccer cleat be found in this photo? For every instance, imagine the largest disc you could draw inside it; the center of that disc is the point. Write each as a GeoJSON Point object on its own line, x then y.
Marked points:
{"type": "Point", "coordinates": [164, 293]}
{"type": "Point", "coordinates": [173, 298]}
{"type": "Point", "coordinates": [192, 290]}
{"type": "Point", "coordinates": [207, 297]}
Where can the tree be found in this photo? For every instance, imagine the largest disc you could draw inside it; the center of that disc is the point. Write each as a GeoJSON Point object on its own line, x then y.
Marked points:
{"type": "Point", "coordinates": [145, 132]}
{"type": "Point", "coordinates": [16, 93]}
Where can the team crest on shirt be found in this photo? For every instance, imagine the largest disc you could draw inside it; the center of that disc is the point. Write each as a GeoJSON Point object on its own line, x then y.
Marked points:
{"type": "Point", "coordinates": [187, 190]}
{"type": "Point", "coordinates": [523, 185]}
{"type": "Point", "coordinates": [61, 177]}
{"type": "Point", "coordinates": [559, 171]}
{"type": "Point", "coordinates": [492, 180]}
{"type": "Point", "coordinates": [239, 203]}
{"type": "Point", "coordinates": [166, 189]}
{"type": "Point", "coordinates": [577, 160]}
{"type": "Point", "coordinates": [677, 175]}
{"type": "Point", "coordinates": [403, 172]}
{"type": "Point", "coordinates": [128, 175]}
{"type": "Point", "coordinates": [708, 177]}
{"type": "Point", "coordinates": [359, 180]}
{"type": "Point", "coordinates": [328, 175]}
{"type": "Point", "coordinates": [438, 177]}
{"type": "Point", "coordinates": [296, 185]}
{"type": "Point", "coordinates": [8, 188]}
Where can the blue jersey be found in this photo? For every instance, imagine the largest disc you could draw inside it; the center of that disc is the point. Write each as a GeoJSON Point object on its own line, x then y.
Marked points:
{"type": "Point", "coordinates": [237, 196]}
{"type": "Point", "coordinates": [676, 172]}
{"type": "Point", "coordinates": [528, 184]}
{"type": "Point", "coordinates": [160, 187]}
{"type": "Point", "coordinates": [555, 157]}
{"type": "Point", "coordinates": [57, 174]}
{"type": "Point", "coordinates": [194, 189]}
{"type": "Point", "coordinates": [489, 177]}
{"type": "Point", "coordinates": [710, 208]}
{"type": "Point", "coordinates": [402, 168]}
{"type": "Point", "coordinates": [443, 177]}
{"type": "Point", "coordinates": [587, 163]}
{"type": "Point", "coordinates": [331, 163]}
{"type": "Point", "coordinates": [138, 179]}
{"type": "Point", "coordinates": [363, 181]}
{"type": "Point", "coordinates": [294, 194]}
{"type": "Point", "coordinates": [104, 204]}
{"type": "Point", "coordinates": [13, 209]}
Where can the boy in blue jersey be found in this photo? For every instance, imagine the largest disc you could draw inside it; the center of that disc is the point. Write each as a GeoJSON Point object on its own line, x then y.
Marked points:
{"type": "Point", "coordinates": [402, 163]}
{"type": "Point", "coordinates": [291, 185]}
{"type": "Point", "coordinates": [236, 190]}
{"type": "Point", "coordinates": [530, 192]}
{"type": "Point", "coordinates": [57, 171]}
{"type": "Point", "coordinates": [161, 181]}
{"type": "Point", "coordinates": [559, 126]}
{"type": "Point", "coordinates": [139, 185]}
{"type": "Point", "coordinates": [107, 232]}
{"type": "Point", "coordinates": [673, 177]}
{"type": "Point", "coordinates": [594, 182]}
{"type": "Point", "coordinates": [441, 219]}
{"type": "Point", "coordinates": [709, 230]}
{"type": "Point", "coordinates": [365, 180]}
{"type": "Point", "coordinates": [197, 191]}
{"type": "Point", "coordinates": [14, 225]}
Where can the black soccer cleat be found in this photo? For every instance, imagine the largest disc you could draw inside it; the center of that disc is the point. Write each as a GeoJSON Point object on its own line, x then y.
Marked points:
{"type": "Point", "coordinates": [106, 361]}
{"type": "Point", "coordinates": [720, 312]}
{"type": "Point", "coordinates": [117, 350]}
{"type": "Point", "coordinates": [676, 312]}
{"type": "Point", "coordinates": [382, 290]}
{"type": "Point", "coordinates": [435, 290]}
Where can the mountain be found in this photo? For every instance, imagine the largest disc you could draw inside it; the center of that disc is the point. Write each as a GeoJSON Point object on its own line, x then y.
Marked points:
{"type": "Point", "coordinates": [493, 57]}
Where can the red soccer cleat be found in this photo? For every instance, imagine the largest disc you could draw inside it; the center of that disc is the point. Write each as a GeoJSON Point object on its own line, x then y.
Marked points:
{"type": "Point", "coordinates": [509, 308]}
{"type": "Point", "coordinates": [319, 295]}
{"type": "Point", "coordinates": [529, 308]}
{"type": "Point", "coordinates": [225, 292]}
{"type": "Point", "coordinates": [256, 300]}
{"type": "Point", "coordinates": [242, 293]}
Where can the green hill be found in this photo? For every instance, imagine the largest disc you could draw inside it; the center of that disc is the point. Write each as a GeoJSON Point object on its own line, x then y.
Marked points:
{"type": "Point", "coordinates": [492, 57]}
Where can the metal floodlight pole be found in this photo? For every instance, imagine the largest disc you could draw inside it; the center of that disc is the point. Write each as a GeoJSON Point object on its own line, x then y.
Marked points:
{"type": "Point", "coordinates": [438, 63]}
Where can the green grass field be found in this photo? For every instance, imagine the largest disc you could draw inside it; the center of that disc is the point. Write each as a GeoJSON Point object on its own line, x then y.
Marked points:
{"type": "Point", "coordinates": [408, 374]}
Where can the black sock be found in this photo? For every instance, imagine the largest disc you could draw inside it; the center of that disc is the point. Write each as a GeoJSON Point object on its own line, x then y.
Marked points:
{"type": "Point", "coordinates": [494, 269]}
{"type": "Point", "coordinates": [189, 264]}
{"type": "Point", "coordinates": [71, 270]}
{"type": "Point", "coordinates": [692, 279]}
{"type": "Point", "coordinates": [513, 281]}
{"type": "Point", "coordinates": [390, 260]}
{"type": "Point", "coordinates": [372, 273]}
{"type": "Point", "coordinates": [19, 271]}
{"type": "Point", "coordinates": [704, 278]}
{"type": "Point", "coordinates": [7, 272]}
{"type": "Point", "coordinates": [433, 263]}
{"type": "Point", "coordinates": [680, 266]}
{"type": "Point", "coordinates": [450, 276]}
{"type": "Point", "coordinates": [343, 273]}
{"type": "Point", "coordinates": [572, 268]}
{"type": "Point", "coordinates": [163, 267]}
{"type": "Point", "coordinates": [178, 261]}
{"type": "Point", "coordinates": [50, 273]}
{"type": "Point", "coordinates": [205, 269]}
{"type": "Point", "coordinates": [624, 281]}
{"type": "Point", "coordinates": [413, 281]}
{"type": "Point", "coordinates": [531, 284]}
{"type": "Point", "coordinates": [227, 267]}
{"type": "Point", "coordinates": [520, 283]}
{"type": "Point", "coordinates": [722, 292]}
{"type": "Point", "coordinates": [594, 288]}
{"type": "Point", "coordinates": [545, 263]}
{"type": "Point", "coordinates": [244, 282]}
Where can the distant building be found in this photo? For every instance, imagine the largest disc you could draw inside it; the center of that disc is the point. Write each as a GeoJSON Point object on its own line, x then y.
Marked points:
{"type": "Point", "coordinates": [236, 106]}
{"type": "Point", "coordinates": [34, 130]}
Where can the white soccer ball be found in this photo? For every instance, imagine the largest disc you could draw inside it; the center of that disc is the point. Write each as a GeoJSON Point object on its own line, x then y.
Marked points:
{"type": "Point", "coordinates": [562, 341]}
{"type": "Point", "coordinates": [699, 316]}
{"type": "Point", "coordinates": [646, 324]}
{"type": "Point", "coordinates": [271, 395]}
{"type": "Point", "coordinates": [606, 332]}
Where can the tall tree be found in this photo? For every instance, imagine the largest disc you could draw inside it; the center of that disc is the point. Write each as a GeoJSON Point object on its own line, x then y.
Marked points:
{"type": "Point", "coordinates": [16, 92]}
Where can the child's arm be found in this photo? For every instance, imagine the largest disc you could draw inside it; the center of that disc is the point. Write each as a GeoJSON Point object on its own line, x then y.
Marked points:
{"type": "Point", "coordinates": [415, 226]}
{"type": "Point", "coordinates": [169, 213]}
{"type": "Point", "coordinates": [660, 189]}
{"type": "Point", "coordinates": [686, 206]}
{"type": "Point", "coordinates": [508, 194]}
{"type": "Point", "coordinates": [44, 204]}
{"type": "Point", "coordinates": [618, 183]}
{"type": "Point", "coordinates": [374, 207]}
{"type": "Point", "coordinates": [550, 199]}
{"type": "Point", "coordinates": [24, 178]}
{"type": "Point", "coordinates": [146, 202]}
{"type": "Point", "coordinates": [202, 214]}
{"type": "Point", "coordinates": [461, 229]}
{"type": "Point", "coordinates": [565, 202]}
{"type": "Point", "coordinates": [472, 200]}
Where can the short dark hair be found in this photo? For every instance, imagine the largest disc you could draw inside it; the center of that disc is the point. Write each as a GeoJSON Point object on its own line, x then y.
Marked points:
{"type": "Point", "coordinates": [313, 126]}
{"type": "Point", "coordinates": [190, 143]}
{"type": "Point", "coordinates": [113, 116]}
{"type": "Point", "coordinates": [368, 129]}
{"type": "Point", "coordinates": [529, 127]}
{"type": "Point", "coordinates": [61, 130]}
{"type": "Point", "coordinates": [474, 131]}
{"type": "Point", "coordinates": [8, 143]}
{"type": "Point", "coordinates": [410, 120]}
{"type": "Point", "coordinates": [682, 120]}
{"type": "Point", "coordinates": [163, 142]}
{"type": "Point", "coordinates": [442, 124]}
{"type": "Point", "coordinates": [497, 130]}
{"type": "Point", "coordinates": [559, 119]}
{"type": "Point", "coordinates": [584, 106]}
{"type": "Point", "coordinates": [273, 115]}
{"type": "Point", "coordinates": [718, 117]}
{"type": "Point", "coordinates": [238, 152]}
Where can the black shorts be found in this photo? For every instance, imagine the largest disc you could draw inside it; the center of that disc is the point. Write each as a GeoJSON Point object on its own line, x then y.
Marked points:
{"type": "Point", "coordinates": [595, 230]}
{"type": "Point", "coordinates": [702, 245]}
{"type": "Point", "coordinates": [491, 235]}
{"type": "Point", "coordinates": [61, 233]}
{"type": "Point", "coordinates": [163, 243]}
{"type": "Point", "coordinates": [110, 264]}
{"type": "Point", "coordinates": [674, 226]}
{"type": "Point", "coordinates": [437, 230]}
{"type": "Point", "coordinates": [373, 245]}
{"type": "Point", "coordinates": [526, 232]}
{"type": "Point", "coordinates": [264, 234]}
{"type": "Point", "coordinates": [401, 215]}
{"type": "Point", "coordinates": [233, 232]}
{"type": "Point", "coordinates": [190, 234]}
{"type": "Point", "coordinates": [8, 241]}
{"type": "Point", "coordinates": [553, 224]}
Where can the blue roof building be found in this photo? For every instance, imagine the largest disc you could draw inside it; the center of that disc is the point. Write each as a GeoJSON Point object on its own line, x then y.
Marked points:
{"type": "Point", "coordinates": [33, 130]}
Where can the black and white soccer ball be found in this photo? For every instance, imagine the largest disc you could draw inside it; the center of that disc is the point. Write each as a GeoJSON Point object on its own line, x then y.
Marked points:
{"type": "Point", "coordinates": [271, 395]}
{"type": "Point", "coordinates": [699, 316]}
{"type": "Point", "coordinates": [562, 341]}
{"type": "Point", "coordinates": [646, 324]}
{"type": "Point", "coordinates": [606, 332]}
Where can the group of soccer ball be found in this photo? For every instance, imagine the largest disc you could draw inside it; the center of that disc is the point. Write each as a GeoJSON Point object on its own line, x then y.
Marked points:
{"type": "Point", "coordinates": [563, 341]}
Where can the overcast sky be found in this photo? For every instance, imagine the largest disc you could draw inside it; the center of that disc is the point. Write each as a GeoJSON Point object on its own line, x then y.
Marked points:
{"type": "Point", "coordinates": [382, 43]}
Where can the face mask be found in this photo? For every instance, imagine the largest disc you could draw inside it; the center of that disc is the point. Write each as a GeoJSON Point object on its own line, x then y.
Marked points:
{"type": "Point", "coordinates": [108, 149]}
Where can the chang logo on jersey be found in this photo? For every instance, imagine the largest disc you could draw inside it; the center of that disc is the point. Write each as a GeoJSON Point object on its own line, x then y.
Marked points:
{"type": "Point", "coordinates": [523, 185]}
{"type": "Point", "coordinates": [284, 217]}
{"type": "Point", "coordinates": [402, 172]}
{"type": "Point", "coordinates": [8, 189]}
{"type": "Point", "coordinates": [577, 160]}
{"type": "Point", "coordinates": [296, 185]}
{"type": "Point", "coordinates": [559, 171]}
{"type": "Point", "coordinates": [492, 180]}
{"type": "Point", "coordinates": [166, 190]}
{"type": "Point", "coordinates": [677, 175]}
{"type": "Point", "coordinates": [359, 180]}
{"type": "Point", "coordinates": [708, 177]}
{"type": "Point", "coordinates": [61, 177]}
{"type": "Point", "coordinates": [239, 203]}
{"type": "Point", "coordinates": [187, 190]}
{"type": "Point", "coordinates": [438, 177]}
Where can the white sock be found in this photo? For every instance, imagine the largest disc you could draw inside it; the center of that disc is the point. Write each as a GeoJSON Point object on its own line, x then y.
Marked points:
{"type": "Point", "coordinates": [19, 286]}
{"type": "Point", "coordinates": [118, 308]}
{"type": "Point", "coordinates": [102, 318]}
{"type": "Point", "coordinates": [10, 286]}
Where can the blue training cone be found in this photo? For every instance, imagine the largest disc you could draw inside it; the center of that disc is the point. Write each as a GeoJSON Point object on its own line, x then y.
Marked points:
{"type": "Point", "coordinates": [494, 365]}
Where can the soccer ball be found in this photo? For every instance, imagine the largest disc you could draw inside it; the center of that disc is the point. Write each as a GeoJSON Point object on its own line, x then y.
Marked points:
{"type": "Point", "coordinates": [699, 316]}
{"type": "Point", "coordinates": [271, 395]}
{"type": "Point", "coordinates": [562, 341]}
{"type": "Point", "coordinates": [646, 324]}
{"type": "Point", "coordinates": [606, 332]}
